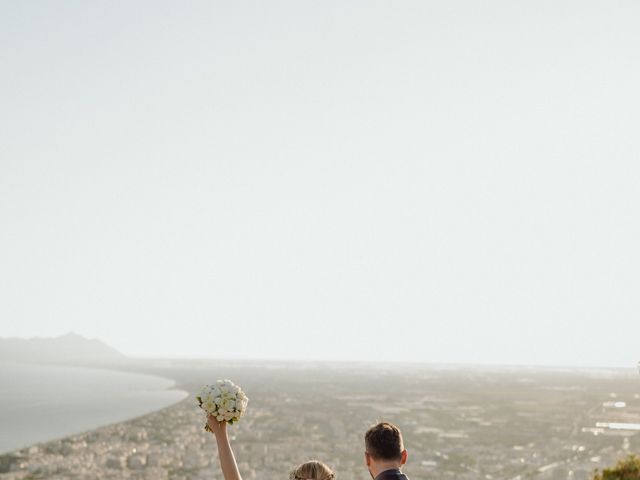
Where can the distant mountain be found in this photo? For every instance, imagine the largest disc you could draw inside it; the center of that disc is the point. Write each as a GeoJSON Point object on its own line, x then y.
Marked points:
{"type": "Point", "coordinates": [67, 349]}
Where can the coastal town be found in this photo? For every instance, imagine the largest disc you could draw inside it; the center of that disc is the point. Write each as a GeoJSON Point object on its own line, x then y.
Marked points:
{"type": "Point", "coordinates": [457, 424]}
{"type": "Point", "coordinates": [420, 212]}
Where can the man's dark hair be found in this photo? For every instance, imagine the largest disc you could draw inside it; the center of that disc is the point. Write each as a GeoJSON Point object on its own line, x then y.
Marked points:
{"type": "Point", "coordinates": [384, 442]}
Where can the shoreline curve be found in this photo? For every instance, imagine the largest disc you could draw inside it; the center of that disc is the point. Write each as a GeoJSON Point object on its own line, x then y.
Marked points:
{"type": "Point", "coordinates": [168, 386]}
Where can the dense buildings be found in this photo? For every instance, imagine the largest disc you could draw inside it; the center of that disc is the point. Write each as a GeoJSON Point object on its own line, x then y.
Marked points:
{"type": "Point", "coordinates": [458, 424]}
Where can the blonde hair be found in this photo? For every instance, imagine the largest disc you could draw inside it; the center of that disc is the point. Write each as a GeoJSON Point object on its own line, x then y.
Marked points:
{"type": "Point", "coordinates": [312, 470]}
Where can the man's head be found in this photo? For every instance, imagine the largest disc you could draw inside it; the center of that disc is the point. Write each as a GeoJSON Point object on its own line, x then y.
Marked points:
{"type": "Point", "coordinates": [384, 448]}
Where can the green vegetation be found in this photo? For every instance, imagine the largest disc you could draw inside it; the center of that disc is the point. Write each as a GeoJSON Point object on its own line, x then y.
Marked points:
{"type": "Point", "coordinates": [626, 469]}
{"type": "Point", "coordinates": [6, 460]}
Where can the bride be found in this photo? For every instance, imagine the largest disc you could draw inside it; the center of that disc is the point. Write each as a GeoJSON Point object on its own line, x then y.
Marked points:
{"type": "Point", "coordinates": [311, 470]}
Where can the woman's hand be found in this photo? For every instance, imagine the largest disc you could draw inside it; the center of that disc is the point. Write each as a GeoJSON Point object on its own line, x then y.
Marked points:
{"type": "Point", "coordinates": [218, 428]}
{"type": "Point", "coordinates": [225, 454]}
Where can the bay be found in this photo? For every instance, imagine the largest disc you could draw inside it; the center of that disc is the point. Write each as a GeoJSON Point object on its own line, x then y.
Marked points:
{"type": "Point", "coordinates": [44, 402]}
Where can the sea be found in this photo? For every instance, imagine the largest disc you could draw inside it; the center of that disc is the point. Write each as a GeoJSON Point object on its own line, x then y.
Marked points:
{"type": "Point", "coordinates": [44, 402]}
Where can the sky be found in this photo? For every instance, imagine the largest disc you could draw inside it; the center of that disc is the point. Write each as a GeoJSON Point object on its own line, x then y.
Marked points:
{"type": "Point", "coordinates": [431, 181]}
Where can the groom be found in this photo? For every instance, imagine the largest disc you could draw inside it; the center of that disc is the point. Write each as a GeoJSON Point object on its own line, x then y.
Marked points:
{"type": "Point", "coordinates": [384, 452]}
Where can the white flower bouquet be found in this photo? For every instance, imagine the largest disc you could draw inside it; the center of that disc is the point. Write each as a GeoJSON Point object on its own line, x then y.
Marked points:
{"type": "Point", "coordinates": [224, 400]}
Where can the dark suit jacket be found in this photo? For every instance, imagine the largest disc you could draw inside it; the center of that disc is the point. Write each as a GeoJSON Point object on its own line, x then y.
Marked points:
{"type": "Point", "coordinates": [394, 474]}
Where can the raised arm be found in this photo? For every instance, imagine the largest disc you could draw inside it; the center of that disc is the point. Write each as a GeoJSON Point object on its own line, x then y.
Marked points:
{"type": "Point", "coordinates": [227, 460]}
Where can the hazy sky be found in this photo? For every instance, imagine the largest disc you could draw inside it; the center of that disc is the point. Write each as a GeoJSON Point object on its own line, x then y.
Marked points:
{"type": "Point", "coordinates": [442, 181]}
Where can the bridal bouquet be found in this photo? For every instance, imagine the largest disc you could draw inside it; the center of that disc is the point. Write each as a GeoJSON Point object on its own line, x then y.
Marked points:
{"type": "Point", "coordinates": [224, 400]}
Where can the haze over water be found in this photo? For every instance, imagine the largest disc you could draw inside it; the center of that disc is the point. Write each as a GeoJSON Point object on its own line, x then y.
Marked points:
{"type": "Point", "coordinates": [39, 402]}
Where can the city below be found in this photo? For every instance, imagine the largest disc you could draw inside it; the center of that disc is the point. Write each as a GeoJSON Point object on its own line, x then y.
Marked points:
{"type": "Point", "coordinates": [458, 423]}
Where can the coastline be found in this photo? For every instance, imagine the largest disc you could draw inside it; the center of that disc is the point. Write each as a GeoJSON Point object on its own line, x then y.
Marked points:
{"type": "Point", "coordinates": [292, 415]}
{"type": "Point", "coordinates": [125, 449]}
{"type": "Point", "coordinates": [159, 444]}
{"type": "Point", "coordinates": [158, 391]}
